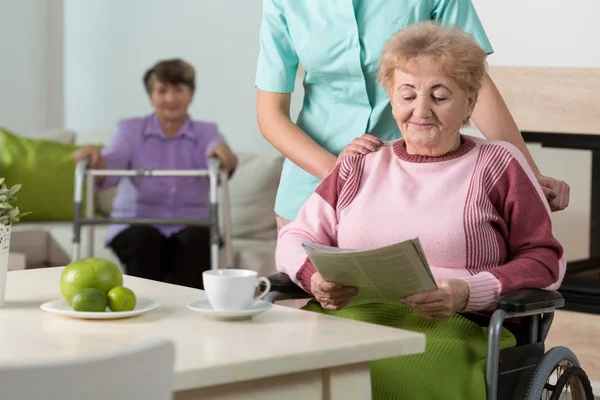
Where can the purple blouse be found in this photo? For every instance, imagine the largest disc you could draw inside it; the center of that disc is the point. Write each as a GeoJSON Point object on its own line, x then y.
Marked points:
{"type": "Point", "coordinates": [141, 143]}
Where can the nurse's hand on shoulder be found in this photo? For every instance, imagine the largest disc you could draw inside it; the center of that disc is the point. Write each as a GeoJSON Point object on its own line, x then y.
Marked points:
{"type": "Point", "coordinates": [361, 145]}
{"type": "Point", "coordinates": [556, 191]}
{"type": "Point", "coordinates": [332, 296]}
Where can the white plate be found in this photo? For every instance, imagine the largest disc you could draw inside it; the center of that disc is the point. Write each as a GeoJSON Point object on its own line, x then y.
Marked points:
{"type": "Point", "coordinates": [204, 307]}
{"type": "Point", "coordinates": [61, 306]}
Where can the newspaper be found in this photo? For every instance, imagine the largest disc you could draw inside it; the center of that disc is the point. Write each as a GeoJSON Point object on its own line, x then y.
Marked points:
{"type": "Point", "coordinates": [385, 274]}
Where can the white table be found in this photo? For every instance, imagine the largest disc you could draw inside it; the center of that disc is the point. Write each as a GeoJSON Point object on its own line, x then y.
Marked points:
{"type": "Point", "coordinates": [281, 353]}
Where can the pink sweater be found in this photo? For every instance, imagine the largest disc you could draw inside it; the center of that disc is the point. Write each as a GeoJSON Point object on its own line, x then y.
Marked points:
{"type": "Point", "coordinates": [478, 211]}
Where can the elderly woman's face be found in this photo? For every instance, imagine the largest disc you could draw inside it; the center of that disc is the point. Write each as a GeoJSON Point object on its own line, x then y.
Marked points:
{"type": "Point", "coordinates": [171, 102]}
{"type": "Point", "coordinates": [430, 108]}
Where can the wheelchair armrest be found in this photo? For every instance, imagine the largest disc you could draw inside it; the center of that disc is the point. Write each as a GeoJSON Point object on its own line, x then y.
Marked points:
{"type": "Point", "coordinates": [283, 288]}
{"type": "Point", "coordinates": [528, 300]}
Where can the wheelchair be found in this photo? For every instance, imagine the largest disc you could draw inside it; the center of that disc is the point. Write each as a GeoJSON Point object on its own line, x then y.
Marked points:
{"type": "Point", "coordinates": [84, 178]}
{"type": "Point", "coordinates": [527, 371]}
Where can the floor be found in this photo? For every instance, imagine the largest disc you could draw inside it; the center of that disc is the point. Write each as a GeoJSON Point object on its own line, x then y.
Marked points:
{"type": "Point", "coordinates": [580, 332]}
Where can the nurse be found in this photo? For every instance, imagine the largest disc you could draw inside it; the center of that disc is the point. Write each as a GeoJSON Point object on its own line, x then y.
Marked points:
{"type": "Point", "coordinates": [338, 43]}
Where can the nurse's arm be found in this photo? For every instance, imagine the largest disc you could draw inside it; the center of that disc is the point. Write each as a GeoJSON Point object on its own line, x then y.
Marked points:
{"type": "Point", "coordinates": [276, 126]}
{"type": "Point", "coordinates": [494, 121]}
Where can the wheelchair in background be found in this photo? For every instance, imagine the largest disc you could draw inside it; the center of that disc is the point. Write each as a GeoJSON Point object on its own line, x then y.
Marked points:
{"type": "Point", "coordinates": [526, 371]}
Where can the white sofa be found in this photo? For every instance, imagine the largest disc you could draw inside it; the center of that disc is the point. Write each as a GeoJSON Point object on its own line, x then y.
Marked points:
{"type": "Point", "coordinates": [252, 196]}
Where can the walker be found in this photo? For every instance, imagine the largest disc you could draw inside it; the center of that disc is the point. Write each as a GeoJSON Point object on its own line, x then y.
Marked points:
{"type": "Point", "coordinates": [216, 177]}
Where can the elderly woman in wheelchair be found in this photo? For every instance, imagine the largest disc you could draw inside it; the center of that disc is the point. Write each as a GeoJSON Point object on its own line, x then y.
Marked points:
{"type": "Point", "coordinates": [481, 217]}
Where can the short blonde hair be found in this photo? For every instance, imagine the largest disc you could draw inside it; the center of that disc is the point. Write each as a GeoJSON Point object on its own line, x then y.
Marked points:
{"type": "Point", "coordinates": [457, 53]}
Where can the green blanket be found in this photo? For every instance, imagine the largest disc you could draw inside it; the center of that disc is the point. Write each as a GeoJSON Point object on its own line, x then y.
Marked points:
{"type": "Point", "coordinates": [452, 367]}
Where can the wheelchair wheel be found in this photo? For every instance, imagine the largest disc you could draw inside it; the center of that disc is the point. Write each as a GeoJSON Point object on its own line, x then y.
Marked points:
{"type": "Point", "coordinates": [559, 376]}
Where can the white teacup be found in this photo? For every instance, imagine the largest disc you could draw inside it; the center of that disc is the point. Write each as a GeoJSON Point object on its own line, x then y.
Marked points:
{"type": "Point", "coordinates": [232, 289]}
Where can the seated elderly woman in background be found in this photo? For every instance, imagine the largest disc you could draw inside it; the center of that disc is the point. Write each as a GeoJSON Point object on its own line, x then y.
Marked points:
{"type": "Point", "coordinates": [481, 217]}
{"type": "Point", "coordinates": [166, 139]}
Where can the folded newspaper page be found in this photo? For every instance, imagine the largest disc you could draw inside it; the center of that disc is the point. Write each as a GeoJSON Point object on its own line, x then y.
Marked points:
{"type": "Point", "coordinates": [385, 274]}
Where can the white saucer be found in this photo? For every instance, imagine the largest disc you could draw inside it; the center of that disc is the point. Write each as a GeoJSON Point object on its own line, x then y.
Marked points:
{"type": "Point", "coordinates": [61, 306]}
{"type": "Point", "coordinates": [204, 307]}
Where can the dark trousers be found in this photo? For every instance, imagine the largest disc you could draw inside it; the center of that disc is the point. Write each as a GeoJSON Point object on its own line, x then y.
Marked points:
{"type": "Point", "coordinates": [179, 259]}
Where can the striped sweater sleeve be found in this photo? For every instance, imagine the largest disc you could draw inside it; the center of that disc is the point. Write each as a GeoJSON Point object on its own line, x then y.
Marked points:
{"type": "Point", "coordinates": [535, 258]}
{"type": "Point", "coordinates": [317, 221]}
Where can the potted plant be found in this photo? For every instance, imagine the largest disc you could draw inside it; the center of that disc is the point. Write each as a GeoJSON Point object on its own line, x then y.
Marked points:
{"type": "Point", "coordinates": [9, 215]}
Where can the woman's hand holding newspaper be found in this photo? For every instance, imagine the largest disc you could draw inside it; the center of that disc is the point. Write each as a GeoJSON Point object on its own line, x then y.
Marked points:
{"type": "Point", "coordinates": [331, 295]}
{"type": "Point", "coordinates": [452, 295]}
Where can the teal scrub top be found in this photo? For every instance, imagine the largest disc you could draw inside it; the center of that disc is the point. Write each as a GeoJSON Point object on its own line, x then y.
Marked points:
{"type": "Point", "coordinates": [338, 43]}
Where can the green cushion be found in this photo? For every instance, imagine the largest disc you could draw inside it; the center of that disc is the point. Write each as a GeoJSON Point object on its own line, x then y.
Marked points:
{"type": "Point", "coordinates": [45, 169]}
